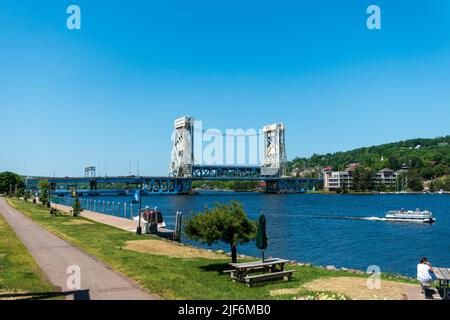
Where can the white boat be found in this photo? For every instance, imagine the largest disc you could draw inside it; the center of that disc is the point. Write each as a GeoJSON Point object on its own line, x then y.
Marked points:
{"type": "Point", "coordinates": [410, 216]}
{"type": "Point", "coordinates": [151, 215]}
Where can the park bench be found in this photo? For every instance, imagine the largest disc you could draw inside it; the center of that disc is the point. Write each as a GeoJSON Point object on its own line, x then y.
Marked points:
{"type": "Point", "coordinates": [285, 275]}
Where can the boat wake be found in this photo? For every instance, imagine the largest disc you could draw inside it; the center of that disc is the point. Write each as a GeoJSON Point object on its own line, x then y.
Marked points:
{"type": "Point", "coordinates": [374, 219]}
{"type": "Point", "coordinates": [351, 218]}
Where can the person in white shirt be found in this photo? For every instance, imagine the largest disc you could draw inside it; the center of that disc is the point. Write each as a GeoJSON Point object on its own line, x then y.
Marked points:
{"type": "Point", "coordinates": [424, 271]}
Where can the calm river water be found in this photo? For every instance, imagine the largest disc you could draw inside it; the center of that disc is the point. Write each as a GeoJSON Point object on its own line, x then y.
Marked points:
{"type": "Point", "coordinates": [332, 229]}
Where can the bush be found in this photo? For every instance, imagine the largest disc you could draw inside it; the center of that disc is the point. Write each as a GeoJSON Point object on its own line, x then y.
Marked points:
{"type": "Point", "coordinates": [44, 194]}
{"type": "Point", "coordinates": [76, 208]}
{"type": "Point", "coordinates": [26, 196]}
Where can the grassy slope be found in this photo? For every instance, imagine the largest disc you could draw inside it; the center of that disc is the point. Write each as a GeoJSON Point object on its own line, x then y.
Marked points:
{"type": "Point", "coordinates": [19, 273]}
{"type": "Point", "coordinates": [171, 278]}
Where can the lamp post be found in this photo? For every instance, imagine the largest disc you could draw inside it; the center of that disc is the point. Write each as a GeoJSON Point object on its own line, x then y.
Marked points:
{"type": "Point", "coordinates": [139, 228]}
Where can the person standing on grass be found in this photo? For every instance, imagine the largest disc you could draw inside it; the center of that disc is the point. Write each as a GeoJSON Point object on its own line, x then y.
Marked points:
{"type": "Point", "coordinates": [424, 271]}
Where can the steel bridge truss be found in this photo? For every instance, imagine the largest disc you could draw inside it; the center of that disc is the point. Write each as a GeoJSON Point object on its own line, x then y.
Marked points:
{"type": "Point", "coordinates": [226, 173]}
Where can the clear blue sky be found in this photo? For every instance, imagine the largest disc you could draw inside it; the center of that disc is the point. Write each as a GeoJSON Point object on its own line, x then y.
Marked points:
{"type": "Point", "coordinates": [109, 93]}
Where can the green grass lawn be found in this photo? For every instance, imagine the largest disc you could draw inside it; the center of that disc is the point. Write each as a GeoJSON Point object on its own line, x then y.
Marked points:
{"type": "Point", "coordinates": [170, 278]}
{"type": "Point", "coordinates": [20, 276]}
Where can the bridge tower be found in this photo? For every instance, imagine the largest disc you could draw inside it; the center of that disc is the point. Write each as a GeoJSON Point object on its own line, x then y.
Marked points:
{"type": "Point", "coordinates": [183, 148]}
{"type": "Point", "coordinates": [275, 158]}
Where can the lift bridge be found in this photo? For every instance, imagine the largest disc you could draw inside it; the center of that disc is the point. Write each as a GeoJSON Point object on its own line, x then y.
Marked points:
{"type": "Point", "coordinates": [272, 173]}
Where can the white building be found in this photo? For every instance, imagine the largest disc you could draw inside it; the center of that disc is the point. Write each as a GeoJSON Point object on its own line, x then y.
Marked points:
{"type": "Point", "coordinates": [336, 180]}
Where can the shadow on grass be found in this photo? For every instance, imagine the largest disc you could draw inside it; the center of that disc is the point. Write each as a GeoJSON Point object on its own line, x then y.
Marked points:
{"type": "Point", "coordinates": [216, 267]}
{"type": "Point", "coordinates": [77, 295]}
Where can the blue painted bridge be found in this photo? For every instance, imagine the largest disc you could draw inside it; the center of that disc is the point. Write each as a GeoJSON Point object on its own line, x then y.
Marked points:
{"type": "Point", "coordinates": [176, 185]}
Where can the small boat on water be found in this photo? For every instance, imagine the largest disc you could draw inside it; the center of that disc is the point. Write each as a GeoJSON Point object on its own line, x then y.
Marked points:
{"type": "Point", "coordinates": [410, 216]}
{"type": "Point", "coordinates": [151, 215]}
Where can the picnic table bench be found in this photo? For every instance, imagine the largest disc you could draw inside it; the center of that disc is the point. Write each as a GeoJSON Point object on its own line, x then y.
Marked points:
{"type": "Point", "coordinates": [272, 269]}
{"type": "Point", "coordinates": [443, 276]}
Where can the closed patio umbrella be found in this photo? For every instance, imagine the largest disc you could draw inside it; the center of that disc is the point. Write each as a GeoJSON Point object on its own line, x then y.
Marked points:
{"type": "Point", "coordinates": [261, 236]}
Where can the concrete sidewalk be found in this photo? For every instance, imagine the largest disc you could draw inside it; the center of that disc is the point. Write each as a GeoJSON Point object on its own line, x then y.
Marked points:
{"type": "Point", "coordinates": [54, 256]}
{"type": "Point", "coordinates": [117, 222]}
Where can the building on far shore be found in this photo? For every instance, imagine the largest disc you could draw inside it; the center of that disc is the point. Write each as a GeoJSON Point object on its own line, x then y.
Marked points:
{"type": "Point", "coordinates": [338, 180]}
{"type": "Point", "coordinates": [335, 180]}
{"type": "Point", "coordinates": [386, 177]}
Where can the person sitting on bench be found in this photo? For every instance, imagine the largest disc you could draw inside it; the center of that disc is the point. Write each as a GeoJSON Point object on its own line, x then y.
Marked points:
{"type": "Point", "coordinates": [424, 271]}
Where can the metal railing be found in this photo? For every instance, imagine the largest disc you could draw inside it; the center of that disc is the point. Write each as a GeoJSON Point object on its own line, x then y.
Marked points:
{"type": "Point", "coordinates": [112, 208]}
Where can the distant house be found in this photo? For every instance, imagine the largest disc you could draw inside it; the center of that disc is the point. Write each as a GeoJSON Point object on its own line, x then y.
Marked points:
{"type": "Point", "coordinates": [352, 167]}
{"type": "Point", "coordinates": [387, 177]}
{"type": "Point", "coordinates": [405, 166]}
{"type": "Point", "coordinates": [303, 172]}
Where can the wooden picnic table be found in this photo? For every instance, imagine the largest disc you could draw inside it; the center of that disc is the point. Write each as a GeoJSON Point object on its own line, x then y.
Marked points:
{"type": "Point", "coordinates": [272, 269]}
{"type": "Point", "coordinates": [443, 276]}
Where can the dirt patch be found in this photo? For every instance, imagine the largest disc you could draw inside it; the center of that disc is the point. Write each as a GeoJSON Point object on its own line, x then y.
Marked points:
{"type": "Point", "coordinates": [169, 249]}
{"type": "Point", "coordinates": [77, 223]}
{"type": "Point", "coordinates": [356, 288]}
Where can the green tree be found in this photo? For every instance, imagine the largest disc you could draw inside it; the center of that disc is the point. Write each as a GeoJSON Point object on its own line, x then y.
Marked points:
{"type": "Point", "coordinates": [344, 187]}
{"type": "Point", "coordinates": [414, 180]}
{"type": "Point", "coordinates": [26, 195]}
{"type": "Point", "coordinates": [363, 179]}
{"type": "Point", "coordinates": [381, 187]}
{"type": "Point", "coordinates": [223, 222]}
{"type": "Point", "coordinates": [357, 179]}
{"type": "Point", "coordinates": [446, 184]}
{"type": "Point", "coordinates": [10, 180]}
{"type": "Point", "coordinates": [44, 191]}
{"type": "Point", "coordinates": [19, 193]}
{"type": "Point", "coordinates": [76, 207]}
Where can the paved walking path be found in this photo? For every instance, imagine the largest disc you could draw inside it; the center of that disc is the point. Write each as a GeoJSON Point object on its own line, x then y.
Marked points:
{"type": "Point", "coordinates": [121, 223]}
{"type": "Point", "coordinates": [54, 256]}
